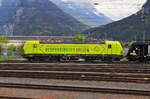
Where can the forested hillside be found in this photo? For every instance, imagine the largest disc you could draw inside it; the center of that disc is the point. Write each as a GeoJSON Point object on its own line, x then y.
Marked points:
{"type": "Point", "coordinates": [131, 28]}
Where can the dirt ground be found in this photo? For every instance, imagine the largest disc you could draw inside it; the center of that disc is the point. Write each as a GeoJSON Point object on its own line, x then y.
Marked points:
{"type": "Point", "coordinates": [50, 94]}
{"type": "Point", "coordinates": [53, 94]}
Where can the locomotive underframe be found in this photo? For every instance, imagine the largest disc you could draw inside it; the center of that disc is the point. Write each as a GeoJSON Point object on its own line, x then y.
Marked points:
{"type": "Point", "coordinates": [138, 58]}
{"type": "Point", "coordinates": [68, 57]}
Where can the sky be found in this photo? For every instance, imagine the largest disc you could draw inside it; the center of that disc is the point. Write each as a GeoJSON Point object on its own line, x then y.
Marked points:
{"type": "Point", "coordinates": [115, 9]}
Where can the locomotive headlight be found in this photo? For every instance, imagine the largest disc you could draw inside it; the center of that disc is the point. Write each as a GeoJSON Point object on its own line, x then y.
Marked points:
{"type": "Point", "coordinates": [133, 54]}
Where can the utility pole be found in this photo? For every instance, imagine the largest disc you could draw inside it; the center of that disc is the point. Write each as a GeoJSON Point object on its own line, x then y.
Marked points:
{"type": "Point", "coordinates": [144, 36]}
{"type": "Point", "coordinates": [144, 18]}
{"type": "Point", "coordinates": [89, 34]}
{"type": "Point", "coordinates": [105, 35]}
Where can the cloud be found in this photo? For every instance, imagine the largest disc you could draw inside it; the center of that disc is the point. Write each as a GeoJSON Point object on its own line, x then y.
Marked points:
{"type": "Point", "coordinates": [115, 9]}
{"type": "Point", "coordinates": [118, 9]}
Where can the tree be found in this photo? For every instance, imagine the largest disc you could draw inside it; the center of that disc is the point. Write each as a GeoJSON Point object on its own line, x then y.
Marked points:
{"type": "Point", "coordinates": [3, 41]}
{"type": "Point", "coordinates": [78, 37]}
{"type": "Point", "coordinates": [11, 50]}
{"type": "Point", "coordinates": [19, 50]}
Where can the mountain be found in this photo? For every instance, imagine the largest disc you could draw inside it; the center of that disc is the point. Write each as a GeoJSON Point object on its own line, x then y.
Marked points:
{"type": "Point", "coordinates": [130, 28]}
{"type": "Point", "coordinates": [84, 12]}
{"type": "Point", "coordinates": [36, 17]}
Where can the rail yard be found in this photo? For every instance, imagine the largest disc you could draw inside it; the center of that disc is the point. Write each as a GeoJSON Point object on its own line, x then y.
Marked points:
{"type": "Point", "coordinates": [74, 49]}
{"type": "Point", "coordinates": [122, 78]}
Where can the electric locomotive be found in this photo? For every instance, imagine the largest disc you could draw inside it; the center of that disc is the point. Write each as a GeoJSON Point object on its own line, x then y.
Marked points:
{"type": "Point", "coordinates": [108, 50]}
{"type": "Point", "coordinates": [139, 51]}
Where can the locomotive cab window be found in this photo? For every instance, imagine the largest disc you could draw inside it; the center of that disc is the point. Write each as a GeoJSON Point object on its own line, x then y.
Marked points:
{"type": "Point", "coordinates": [34, 45]}
{"type": "Point", "coordinates": [109, 46]}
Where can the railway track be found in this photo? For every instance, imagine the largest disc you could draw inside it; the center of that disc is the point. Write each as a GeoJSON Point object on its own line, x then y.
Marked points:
{"type": "Point", "coordinates": [118, 72]}
{"type": "Point", "coordinates": [89, 76]}
{"type": "Point", "coordinates": [117, 68]}
{"type": "Point", "coordinates": [4, 97]}
{"type": "Point", "coordinates": [78, 88]}
{"type": "Point", "coordinates": [82, 62]}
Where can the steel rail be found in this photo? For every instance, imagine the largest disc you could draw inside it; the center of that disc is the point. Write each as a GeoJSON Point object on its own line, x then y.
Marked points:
{"type": "Point", "coordinates": [82, 62]}
{"type": "Point", "coordinates": [78, 88]}
{"type": "Point", "coordinates": [90, 76]}
{"type": "Point", "coordinates": [80, 68]}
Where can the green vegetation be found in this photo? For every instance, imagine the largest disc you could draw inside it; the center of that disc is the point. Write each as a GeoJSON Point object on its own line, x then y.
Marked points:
{"type": "Point", "coordinates": [78, 37]}
{"type": "Point", "coordinates": [11, 49]}
{"type": "Point", "coordinates": [3, 39]}
{"type": "Point", "coordinates": [9, 52]}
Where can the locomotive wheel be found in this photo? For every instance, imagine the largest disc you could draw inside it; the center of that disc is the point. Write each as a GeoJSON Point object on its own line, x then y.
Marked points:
{"type": "Point", "coordinates": [89, 60]}
{"type": "Point", "coordinates": [55, 59]}
{"type": "Point", "coordinates": [142, 59]}
{"type": "Point", "coordinates": [107, 59]}
{"type": "Point", "coordinates": [131, 59]}
{"type": "Point", "coordinates": [32, 60]}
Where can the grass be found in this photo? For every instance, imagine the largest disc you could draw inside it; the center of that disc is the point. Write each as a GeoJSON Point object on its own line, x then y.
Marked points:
{"type": "Point", "coordinates": [14, 57]}
{"type": "Point", "coordinates": [124, 60]}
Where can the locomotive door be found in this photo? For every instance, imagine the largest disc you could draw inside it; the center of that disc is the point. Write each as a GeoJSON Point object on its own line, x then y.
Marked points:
{"type": "Point", "coordinates": [145, 50]}
{"type": "Point", "coordinates": [109, 49]}
{"type": "Point", "coordinates": [34, 50]}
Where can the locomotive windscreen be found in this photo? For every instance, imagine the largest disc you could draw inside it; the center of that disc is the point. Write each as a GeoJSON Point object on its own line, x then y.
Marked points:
{"type": "Point", "coordinates": [148, 49]}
